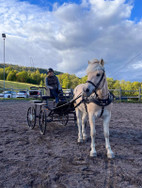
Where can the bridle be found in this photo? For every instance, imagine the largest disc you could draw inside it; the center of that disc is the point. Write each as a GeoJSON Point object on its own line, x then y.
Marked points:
{"type": "Point", "coordinates": [96, 86]}
{"type": "Point", "coordinates": [97, 100]}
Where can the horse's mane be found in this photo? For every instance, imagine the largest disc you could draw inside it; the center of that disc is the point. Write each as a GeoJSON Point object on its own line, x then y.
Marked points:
{"type": "Point", "coordinates": [94, 65]}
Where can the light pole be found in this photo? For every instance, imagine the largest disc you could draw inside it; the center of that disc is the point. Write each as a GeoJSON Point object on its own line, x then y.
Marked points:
{"type": "Point", "coordinates": [4, 37]}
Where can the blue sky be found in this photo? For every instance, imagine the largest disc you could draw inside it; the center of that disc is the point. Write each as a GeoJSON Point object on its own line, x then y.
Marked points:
{"type": "Point", "coordinates": [135, 15]}
{"type": "Point", "coordinates": [43, 3]}
{"type": "Point", "coordinates": [137, 10]}
{"type": "Point", "coordinates": [66, 34]}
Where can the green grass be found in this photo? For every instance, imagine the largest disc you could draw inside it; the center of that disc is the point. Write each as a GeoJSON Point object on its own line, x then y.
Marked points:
{"type": "Point", "coordinates": [15, 99]}
{"type": "Point", "coordinates": [15, 85]}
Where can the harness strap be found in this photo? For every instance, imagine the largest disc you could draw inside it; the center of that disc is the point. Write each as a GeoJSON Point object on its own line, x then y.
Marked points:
{"type": "Point", "coordinates": [84, 102]}
{"type": "Point", "coordinates": [100, 80]}
{"type": "Point", "coordinates": [102, 111]}
{"type": "Point", "coordinates": [73, 100]}
{"type": "Point", "coordinates": [79, 103]}
{"type": "Point", "coordinates": [85, 106]}
{"type": "Point", "coordinates": [96, 86]}
{"type": "Point", "coordinates": [100, 102]}
{"type": "Point", "coordinates": [90, 82]}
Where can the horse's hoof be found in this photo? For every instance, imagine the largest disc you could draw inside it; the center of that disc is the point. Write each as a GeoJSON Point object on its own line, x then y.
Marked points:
{"type": "Point", "coordinates": [80, 140]}
{"type": "Point", "coordinates": [110, 155]}
{"type": "Point", "coordinates": [93, 154]}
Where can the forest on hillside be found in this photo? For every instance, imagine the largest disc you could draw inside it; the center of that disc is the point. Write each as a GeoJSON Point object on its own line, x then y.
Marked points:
{"type": "Point", "coordinates": [23, 68]}
{"type": "Point", "coordinates": [37, 76]}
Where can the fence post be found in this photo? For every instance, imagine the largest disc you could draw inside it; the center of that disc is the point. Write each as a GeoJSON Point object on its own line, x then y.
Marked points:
{"type": "Point", "coordinates": [139, 93]}
{"type": "Point", "coordinates": [120, 94]}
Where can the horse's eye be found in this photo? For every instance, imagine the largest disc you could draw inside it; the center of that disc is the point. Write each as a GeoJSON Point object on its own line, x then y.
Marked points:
{"type": "Point", "coordinates": [97, 74]}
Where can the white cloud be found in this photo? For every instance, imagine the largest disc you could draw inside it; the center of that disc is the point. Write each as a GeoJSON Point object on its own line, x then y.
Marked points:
{"type": "Point", "coordinates": [67, 37]}
{"type": "Point", "coordinates": [138, 65]}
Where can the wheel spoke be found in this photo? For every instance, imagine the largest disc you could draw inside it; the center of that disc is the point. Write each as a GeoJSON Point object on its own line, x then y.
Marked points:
{"type": "Point", "coordinates": [42, 121]}
{"type": "Point", "coordinates": [31, 117]}
{"type": "Point", "coordinates": [64, 119]}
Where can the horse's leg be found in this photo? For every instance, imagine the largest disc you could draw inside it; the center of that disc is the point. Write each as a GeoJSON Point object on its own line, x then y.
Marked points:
{"type": "Point", "coordinates": [79, 124]}
{"type": "Point", "coordinates": [106, 121]}
{"type": "Point", "coordinates": [84, 121]}
{"type": "Point", "coordinates": [93, 152]}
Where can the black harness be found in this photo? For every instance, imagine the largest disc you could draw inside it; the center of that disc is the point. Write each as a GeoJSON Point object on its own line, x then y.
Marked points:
{"type": "Point", "coordinates": [97, 100]}
{"type": "Point", "coordinates": [101, 102]}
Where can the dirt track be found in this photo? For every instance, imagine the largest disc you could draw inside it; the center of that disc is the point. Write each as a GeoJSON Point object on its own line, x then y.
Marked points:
{"type": "Point", "coordinates": [28, 159]}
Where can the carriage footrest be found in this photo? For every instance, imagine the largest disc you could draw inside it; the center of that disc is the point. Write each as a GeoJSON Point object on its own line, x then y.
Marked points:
{"type": "Point", "coordinates": [36, 101]}
{"type": "Point", "coordinates": [49, 120]}
{"type": "Point", "coordinates": [45, 97]}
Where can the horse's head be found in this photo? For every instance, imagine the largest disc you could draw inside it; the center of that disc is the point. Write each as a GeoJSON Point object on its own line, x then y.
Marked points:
{"type": "Point", "coordinates": [96, 76]}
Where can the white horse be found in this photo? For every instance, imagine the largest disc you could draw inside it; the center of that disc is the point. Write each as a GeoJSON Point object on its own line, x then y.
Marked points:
{"type": "Point", "coordinates": [95, 89]}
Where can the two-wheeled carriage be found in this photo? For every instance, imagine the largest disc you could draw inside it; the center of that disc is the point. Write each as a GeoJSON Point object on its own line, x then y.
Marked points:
{"type": "Point", "coordinates": [44, 113]}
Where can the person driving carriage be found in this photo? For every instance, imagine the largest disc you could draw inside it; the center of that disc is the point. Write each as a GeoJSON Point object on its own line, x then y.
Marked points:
{"type": "Point", "coordinates": [52, 83]}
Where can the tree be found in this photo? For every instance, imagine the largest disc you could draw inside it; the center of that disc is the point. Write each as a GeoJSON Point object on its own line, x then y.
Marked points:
{"type": "Point", "coordinates": [41, 83]}
{"type": "Point", "coordinates": [136, 85]}
{"type": "Point", "coordinates": [116, 84]}
{"type": "Point", "coordinates": [22, 76]}
{"type": "Point", "coordinates": [35, 77]}
{"type": "Point", "coordinates": [11, 76]}
{"type": "Point", "coordinates": [74, 81]}
{"type": "Point", "coordinates": [83, 80]}
{"type": "Point", "coordinates": [1, 74]}
{"type": "Point", "coordinates": [64, 80]}
{"type": "Point", "coordinates": [110, 83]}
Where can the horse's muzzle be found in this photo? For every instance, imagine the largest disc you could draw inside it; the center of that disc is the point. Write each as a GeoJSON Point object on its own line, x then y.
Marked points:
{"type": "Point", "coordinates": [86, 92]}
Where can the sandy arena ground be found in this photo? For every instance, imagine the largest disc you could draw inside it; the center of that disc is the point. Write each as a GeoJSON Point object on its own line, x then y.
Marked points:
{"type": "Point", "coordinates": [55, 160]}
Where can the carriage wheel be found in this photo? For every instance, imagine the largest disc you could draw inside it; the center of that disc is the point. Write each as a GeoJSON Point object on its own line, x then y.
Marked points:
{"type": "Point", "coordinates": [64, 119]}
{"type": "Point", "coordinates": [31, 117]}
{"type": "Point", "coordinates": [42, 121]}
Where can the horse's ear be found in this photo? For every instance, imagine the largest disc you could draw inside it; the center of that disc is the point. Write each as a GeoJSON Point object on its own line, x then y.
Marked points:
{"type": "Point", "coordinates": [102, 62]}
{"type": "Point", "coordinates": [89, 62]}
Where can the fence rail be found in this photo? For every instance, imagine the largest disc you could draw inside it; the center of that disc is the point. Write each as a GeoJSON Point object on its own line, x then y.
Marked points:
{"type": "Point", "coordinates": [127, 94]}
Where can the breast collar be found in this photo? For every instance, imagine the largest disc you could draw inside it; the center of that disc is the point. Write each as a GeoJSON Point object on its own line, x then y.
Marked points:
{"type": "Point", "coordinates": [100, 102]}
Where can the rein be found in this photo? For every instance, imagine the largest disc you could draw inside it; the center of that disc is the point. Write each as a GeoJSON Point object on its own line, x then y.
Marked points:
{"type": "Point", "coordinates": [80, 95]}
{"type": "Point", "coordinates": [82, 101]}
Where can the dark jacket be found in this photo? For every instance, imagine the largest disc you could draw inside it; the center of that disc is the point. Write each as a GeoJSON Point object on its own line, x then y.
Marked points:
{"type": "Point", "coordinates": [53, 81]}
